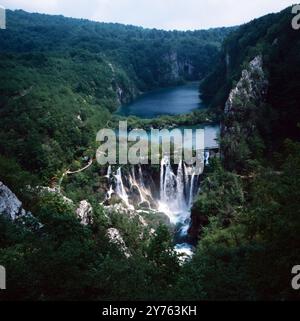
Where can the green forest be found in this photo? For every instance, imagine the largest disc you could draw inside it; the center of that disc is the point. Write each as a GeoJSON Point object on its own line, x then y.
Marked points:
{"type": "Point", "coordinates": [62, 80]}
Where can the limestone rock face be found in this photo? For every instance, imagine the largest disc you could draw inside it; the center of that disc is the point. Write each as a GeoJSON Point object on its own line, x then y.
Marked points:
{"type": "Point", "coordinates": [245, 103]}
{"type": "Point", "coordinates": [173, 59]}
{"type": "Point", "coordinates": [177, 68]}
{"type": "Point", "coordinates": [251, 87]}
{"type": "Point", "coordinates": [10, 205]}
{"type": "Point", "coordinates": [115, 237]}
{"type": "Point", "coordinates": [84, 212]}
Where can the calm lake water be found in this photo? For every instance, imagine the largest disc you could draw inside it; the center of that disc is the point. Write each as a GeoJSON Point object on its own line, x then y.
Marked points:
{"type": "Point", "coordinates": [171, 101]}
{"type": "Point", "coordinates": [168, 101]}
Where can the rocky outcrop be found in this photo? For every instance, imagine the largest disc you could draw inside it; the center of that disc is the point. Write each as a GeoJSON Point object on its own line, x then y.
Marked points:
{"type": "Point", "coordinates": [85, 212]}
{"type": "Point", "coordinates": [251, 88]}
{"type": "Point", "coordinates": [10, 205]}
{"type": "Point", "coordinates": [115, 237]}
{"type": "Point", "coordinates": [174, 66]}
{"type": "Point", "coordinates": [178, 68]}
{"type": "Point", "coordinates": [122, 209]}
{"type": "Point", "coordinates": [239, 124]}
{"type": "Point", "coordinates": [242, 114]}
{"type": "Point", "coordinates": [53, 190]}
{"type": "Point", "coordinates": [187, 69]}
{"type": "Point", "coordinates": [125, 91]}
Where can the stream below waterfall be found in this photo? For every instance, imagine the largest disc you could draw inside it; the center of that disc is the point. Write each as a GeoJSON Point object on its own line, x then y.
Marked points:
{"type": "Point", "coordinates": [174, 194]}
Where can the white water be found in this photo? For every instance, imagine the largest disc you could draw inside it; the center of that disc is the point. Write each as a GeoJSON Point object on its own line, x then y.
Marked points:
{"type": "Point", "coordinates": [175, 199]}
{"type": "Point", "coordinates": [110, 192]}
{"type": "Point", "coordinates": [191, 194]}
{"type": "Point", "coordinates": [177, 191]}
{"type": "Point", "coordinates": [120, 189]}
{"type": "Point", "coordinates": [206, 157]}
{"type": "Point", "coordinates": [172, 200]}
{"type": "Point", "coordinates": [144, 193]}
{"type": "Point", "coordinates": [108, 172]}
{"type": "Point", "coordinates": [184, 250]}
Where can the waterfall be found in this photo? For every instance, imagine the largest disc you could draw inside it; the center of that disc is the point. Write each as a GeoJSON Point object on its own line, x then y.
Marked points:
{"type": "Point", "coordinates": [180, 188]}
{"type": "Point", "coordinates": [109, 192]}
{"type": "Point", "coordinates": [169, 184]}
{"type": "Point", "coordinates": [145, 194]}
{"type": "Point", "coordinates": [120, 189]}
{"type": "Point", "coordinates": [186, 178]}
{"type": "Point", "coordinates": [191, 195]}
{"type": "Point", "coordinates": [162, 164]}
{"type": "Point", "coordinates": [168, 190]}
{"type": "Point", "coordinates": [144, 189]}
{"type": "Point", "coordinates": [206, 157]}
{"type": "Point", "coordinates": [108, 172]}
{"type": "Point", "coordinates": [133, 181]}
{"type": "Point", "coordinates": [177, 192]}
{"type": "Point", "coordinates": [141, 176]}
{"type": "Point", "coordinates": [133, 173]}
{"type": "Point", "coordinates": [175, 198]}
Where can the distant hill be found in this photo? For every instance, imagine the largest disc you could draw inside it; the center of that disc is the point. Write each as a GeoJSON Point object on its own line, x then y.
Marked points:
{"type": "Point", "coordinates": [61, 79]}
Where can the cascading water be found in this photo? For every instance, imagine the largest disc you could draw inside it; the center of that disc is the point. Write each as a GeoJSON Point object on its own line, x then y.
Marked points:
{"type": "Point", "coordinates": [176, 194]}
{"type": "Point", "coordinates": [110, 192]}
{"type": "Point", "coordinates": [144, 193]}
{"type": "Point", "coordinates": [206, 157]}
{"type": "Point", "coordinates": [176, 199]}
{"type": "Point", "coordinates": [133, 182]}
{"type": "Point", "coordinates": [108, 172]}
{"type": "Point", "coordinates": [180, 188]}
{"type": "Point", "coordinates": [120, 189]}
{"type": "Point", "coordinates": [191, 194]}
{"type": "Point", "coordinates": [172, 192]}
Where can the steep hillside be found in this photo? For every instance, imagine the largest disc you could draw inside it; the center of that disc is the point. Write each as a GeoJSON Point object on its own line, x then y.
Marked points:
{"type": "Point", "coordinates": [247, 213]}
{"type": "Point", "coordinates": [273, 38]}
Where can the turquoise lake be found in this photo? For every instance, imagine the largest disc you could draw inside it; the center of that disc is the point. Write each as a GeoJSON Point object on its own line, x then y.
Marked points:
{"type": "Point", "coordinates": [171, 101]}
{"type": "Point", "coordinates": [167, 101]}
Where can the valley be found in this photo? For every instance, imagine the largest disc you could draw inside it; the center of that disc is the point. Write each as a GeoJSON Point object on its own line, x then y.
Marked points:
{"type": "Point", "coordinates": [148, 231]}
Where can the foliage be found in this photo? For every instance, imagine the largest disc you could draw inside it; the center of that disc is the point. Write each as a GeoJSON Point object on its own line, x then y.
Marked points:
{"type": "Point", "coordinates": [60, 84]}
{"type": "Point", "coordinates": [253, 257]}
{"type": "Point", "coordinates": [272, 37]}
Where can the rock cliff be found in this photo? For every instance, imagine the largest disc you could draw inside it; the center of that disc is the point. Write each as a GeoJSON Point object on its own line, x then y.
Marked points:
{"type": "Point", "coordinates": [10, 205]}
